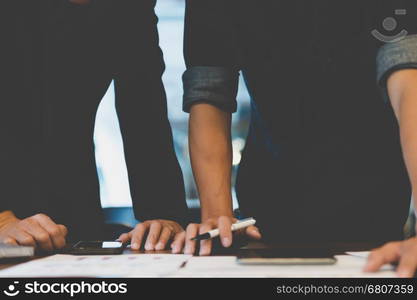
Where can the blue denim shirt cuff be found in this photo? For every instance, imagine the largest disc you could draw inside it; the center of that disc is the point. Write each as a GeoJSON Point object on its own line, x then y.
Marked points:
{"type": "Point", "coordinates": [396, 56]}
{"type": "Point", "coordinates": [213, 85]}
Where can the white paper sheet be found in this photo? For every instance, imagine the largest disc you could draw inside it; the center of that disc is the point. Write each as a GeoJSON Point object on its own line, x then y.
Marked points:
{"type": "Point", "coordinates": [346, 266]}
{"type": "Point", "coordinates": [169, 265]}
{"type": "Point", "coordinates": [133, 265]}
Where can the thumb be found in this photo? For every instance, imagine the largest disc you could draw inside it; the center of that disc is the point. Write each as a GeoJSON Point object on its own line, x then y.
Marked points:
{"type": "Point", "coordinates": [124, 238]}
{"type": "Point", "coordinates": [253, 232]}
{"type": "Point", "coordinates": [63, 229]}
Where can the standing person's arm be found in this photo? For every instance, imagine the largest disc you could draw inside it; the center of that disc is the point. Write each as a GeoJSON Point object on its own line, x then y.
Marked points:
{"type": "Point", "coordinates": [398, 68]}
{"type": "Point", "coordinates": [211, 159]}
{"type": "Point", "coordinates": [155, 177]}
{"type": "Point", "coordinates": [210, 87]}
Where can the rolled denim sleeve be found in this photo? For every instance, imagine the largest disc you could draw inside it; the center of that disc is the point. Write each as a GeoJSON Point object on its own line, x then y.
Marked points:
{"type": "Point", "coordinates": [396, 56]}
{"type": "Point", "coordinates": [213, 85]}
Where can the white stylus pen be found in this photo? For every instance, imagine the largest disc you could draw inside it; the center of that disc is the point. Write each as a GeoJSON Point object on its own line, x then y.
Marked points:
{"type": "Point", "coordinates": [236, 226]}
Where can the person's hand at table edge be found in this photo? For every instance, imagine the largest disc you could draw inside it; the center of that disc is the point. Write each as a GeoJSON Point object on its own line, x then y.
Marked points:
{"type": "Point", "coordinates": [402, 252]}
{"type": "Point", "coordinates": [38, 231]}
{"type": "Point", "coordinates": [223, 223]}
{"type": "Point", "coordinates": [155, 235]}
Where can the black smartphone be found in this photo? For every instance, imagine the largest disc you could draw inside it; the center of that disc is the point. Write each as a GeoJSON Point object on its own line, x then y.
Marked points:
{"type": "Point", "coordinates": [96, 248]}
{"type": "Point", "coordinates": [285, 257]}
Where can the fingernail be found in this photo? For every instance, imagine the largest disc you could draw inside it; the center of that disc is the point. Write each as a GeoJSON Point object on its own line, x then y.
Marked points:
{"type": "Point", "coordinates": [135, 246]}
{"type": "Point", "coordinates": [226, 241]}
{"type": "Point", "coordinates": [149, 246]}
{"type": "Point", "coordinates": [159, 246]}
{"type": "Point", "coordinates": [367, 267]}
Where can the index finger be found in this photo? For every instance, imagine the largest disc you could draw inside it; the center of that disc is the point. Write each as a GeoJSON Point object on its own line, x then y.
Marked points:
{"type": "Point", "coordinates": [56, 233]}
{"type": "Point", "coordinates": [38, 233]}
{"type": "Point", "coordinates": [205, 245]}
{"type": "Point", "coordinates": [64, 230]}
{"type": "Point", "coordinates": [190, 244]}
{"type": "Point", "coordinates": [137, 235]}
{"type": "Point", "coordinates": [386, 254]}
{"type": "Point", "coordinates": [124, 237]}
{"type": "Point", "coordinates": [178, 242]}
{"type": "Point", "coordinates": [225, 231]}
{"type": "Point", "coordinates": [153, 235]}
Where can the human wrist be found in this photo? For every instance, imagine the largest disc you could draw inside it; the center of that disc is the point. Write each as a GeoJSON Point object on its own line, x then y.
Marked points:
{"type": "Point", "coordinates": [216, 205]}
{"type": "Point", "coordinates": [215, 213]}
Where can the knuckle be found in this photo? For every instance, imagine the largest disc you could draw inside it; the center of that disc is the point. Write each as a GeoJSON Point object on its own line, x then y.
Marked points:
{"type": "Point", "coordinates": [40, 216]}
{"type": "Point", "coordinates": [54, 231]}
{"type": "Point", "coordinates": [19, 229]}
{"type": "Point", "coordinates": [153, 237]}
{"type": "Point", "coordinates": [157, 224]}
{"type": "Point", "coordinates": [192, 227]}
{"type": "Point", "coordinates": [27, 222]}
{"type": "Point", "coordinates": [43, 237]}
{"type": "Point", "coordinates": [180, 235]}
{"type": "Point", "coordinates": [207, 226]}
{"type": "Point", "coordinates": [141, 225]}
{"type": "Point", "coordinates": [64, 229]}
{"type": "Point", "coordinates": [169, 228]}
{"type": "Point", "coordinates": [211, 222]}
{"type": "Point", "coordinates": [136, 234]}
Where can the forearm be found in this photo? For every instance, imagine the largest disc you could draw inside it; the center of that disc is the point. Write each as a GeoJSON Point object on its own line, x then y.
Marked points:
{"type": "Point", "coordinates": [211, 158]}
{"type": "Point", "coordinates": [402, 88]}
